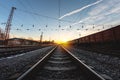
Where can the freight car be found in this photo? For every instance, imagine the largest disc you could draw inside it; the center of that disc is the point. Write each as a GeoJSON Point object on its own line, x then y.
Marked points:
{"type": "Point", "coordinates": [108, 39]}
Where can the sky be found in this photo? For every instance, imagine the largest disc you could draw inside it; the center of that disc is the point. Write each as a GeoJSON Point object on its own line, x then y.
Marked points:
{"type": "Point", "coordinates": [59, 20]}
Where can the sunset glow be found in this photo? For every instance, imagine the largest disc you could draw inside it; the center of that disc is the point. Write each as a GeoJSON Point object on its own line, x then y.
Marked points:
{"type": "Point", "coordinates": [62, 41]}
{"type": "Point", "coordinates": [77, 18]}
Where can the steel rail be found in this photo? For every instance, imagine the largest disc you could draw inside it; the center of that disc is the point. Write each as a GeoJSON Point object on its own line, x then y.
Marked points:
{"type": "Point", "coordinates": [28, 72]}
{"type": "Point", "coordinates": [87, 71]}
{"type": "Point", "coordinates": [86, 68]}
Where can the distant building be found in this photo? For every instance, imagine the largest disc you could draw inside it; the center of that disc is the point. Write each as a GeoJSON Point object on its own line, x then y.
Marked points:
{"type": "Point", "coordinates": [20, 41]}
{"type": "Point", "coordinates": [2, 35]}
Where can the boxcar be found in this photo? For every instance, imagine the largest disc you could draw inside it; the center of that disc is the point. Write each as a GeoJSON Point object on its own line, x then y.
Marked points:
{"type": "Point", "coordinates": [108, 35]}
{"type": "Point", "coordinates": [117, 33]}
{"type": "Point", "coordinates": [87, 39]}
{"type": "Point", "coordinates": [92, 38]}
{"type": "Point", "coordinates": [99, 37]}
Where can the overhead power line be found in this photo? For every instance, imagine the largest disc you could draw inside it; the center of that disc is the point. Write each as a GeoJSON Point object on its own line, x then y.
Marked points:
{"type": "Point", "coordinates": [37, 14]}
{"type": "Point", "coordinates": [28, 5]}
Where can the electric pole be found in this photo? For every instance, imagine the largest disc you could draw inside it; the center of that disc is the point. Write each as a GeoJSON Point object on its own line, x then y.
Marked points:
{"type": "Point", "coordinates": [8, 25]}
{"type": "Point", "coordinates": [41, 36]}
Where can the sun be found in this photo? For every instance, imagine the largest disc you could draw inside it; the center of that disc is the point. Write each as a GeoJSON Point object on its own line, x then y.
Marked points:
{"type": "Point", "coordinates": [62, 41]}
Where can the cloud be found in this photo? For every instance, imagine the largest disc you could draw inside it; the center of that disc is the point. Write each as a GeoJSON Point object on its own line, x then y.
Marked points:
{"type": "Point", "coordinates": [100, 12]}
{"type": "Point", "coordinates": [81, 21]}
{"type": "Point", "coordinates": [106, 13]}
{"type": "Point", "coordinates": [97, 10]}
{"type": "Point", "coordinates": [103, 7]}
{"type": "Point", "coordinates": [116, 9]}
{"type": "Point", "coordinates": [79, 10]}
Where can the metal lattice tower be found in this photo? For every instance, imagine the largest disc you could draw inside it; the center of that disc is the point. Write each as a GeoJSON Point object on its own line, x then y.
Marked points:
{"type": "Point", "coordinates": [8, 24]}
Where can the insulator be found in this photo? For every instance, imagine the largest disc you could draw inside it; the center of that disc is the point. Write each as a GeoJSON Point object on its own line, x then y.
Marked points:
{"type": "Point", "coordinates": [22, 25]}
{"type": "Point", "coordinates": [59, 26]}
{"type": "Point", "coordinates": [82, 26]}
{"type": "Point", "coordinates": [27, 29]}
{"type": "Point", "coordinates": [32, 25]}
{"type": "Point", "coordinates": [93, 26]}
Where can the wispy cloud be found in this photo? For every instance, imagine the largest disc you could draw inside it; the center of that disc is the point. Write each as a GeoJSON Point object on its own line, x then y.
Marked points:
{"type": "Point", "coordinates": [81, 21]}
{"type": "Point", "coordinates": [98, 9]}
{"type": "Point", "coordinates": [101, 11]}
{"type": "Point", "coordinates": [79, 10]}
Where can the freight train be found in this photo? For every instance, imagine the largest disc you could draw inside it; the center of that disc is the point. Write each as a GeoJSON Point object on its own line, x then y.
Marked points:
{"type": "Point", "coordinates": [109, 37]}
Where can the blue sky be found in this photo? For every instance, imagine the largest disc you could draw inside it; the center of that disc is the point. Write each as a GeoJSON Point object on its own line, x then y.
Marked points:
{"type": "Point", "coordinates": [77, 13]}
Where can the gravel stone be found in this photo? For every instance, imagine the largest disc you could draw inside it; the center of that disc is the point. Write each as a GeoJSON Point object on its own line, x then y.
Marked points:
{"type": "Point", "coordinates": [17, 64]}
{"type": "Point", "coordinates": [102, 64]}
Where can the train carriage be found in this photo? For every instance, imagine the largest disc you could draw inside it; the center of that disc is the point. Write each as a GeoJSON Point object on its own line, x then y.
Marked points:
{"type": "Point", "coordinates": [99, 37]}
{"type": "Point", "coordinates": [92, 39]}
{"type": "Point", "coordinates": [108, 35]}
{"type": "Point", "coordinates": [117, 33]}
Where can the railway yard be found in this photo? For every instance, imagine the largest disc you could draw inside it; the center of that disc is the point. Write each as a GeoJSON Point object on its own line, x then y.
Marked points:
{"type": "Point", "coordinates": [13, 66]}
{"type": "Point", "coordinates": [75, 60]}
{"type": "Point", "coordinates": [8, 51]}
{"type": "Point", "coordinates": [58, 65]}
{"type": "Point", "coordinates": [60, 40]}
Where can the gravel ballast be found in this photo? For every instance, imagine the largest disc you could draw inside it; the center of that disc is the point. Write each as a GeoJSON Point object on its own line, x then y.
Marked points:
{"type": "Point", "coordinates": [106, 65]}
{"type": "Point", "coordinates": [12, 67]}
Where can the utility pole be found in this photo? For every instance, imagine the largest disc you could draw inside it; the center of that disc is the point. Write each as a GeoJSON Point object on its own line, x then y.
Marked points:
{"type": "Point", "coordinates": [41, 36]}
{"type": "Point", "coordinates": [8, 25]}
{"type": "Point", "coordinates": [0, 33]}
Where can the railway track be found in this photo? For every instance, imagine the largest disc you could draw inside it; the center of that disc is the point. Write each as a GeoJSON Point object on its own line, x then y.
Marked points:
{"type": "Point", "coordinates": [60, 64]}
{"type": "Point", "coordinates": [5, 52]}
